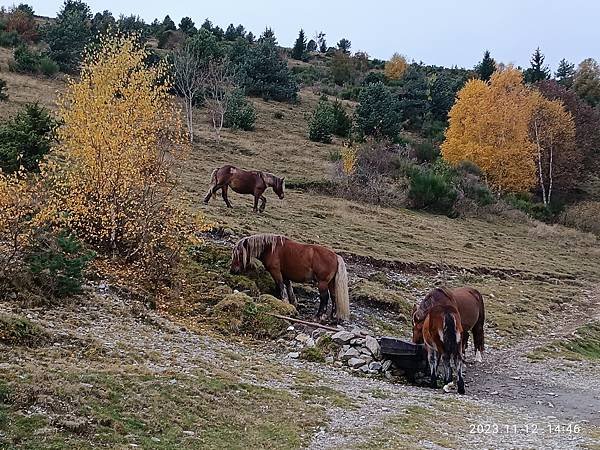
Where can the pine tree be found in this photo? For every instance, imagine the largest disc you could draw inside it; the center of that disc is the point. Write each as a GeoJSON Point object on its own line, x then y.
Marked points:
{"type": "Point", "coordinates": [565, 72]}
{"type": "Point", "coordinates": [344, 45]}
{"type": "Point", "coordinates": [300, 46]}
{"type": "Point", "coordinates": [168, 24]}
{"type": "Point", "coordinates": [187, 26]}
{"type": "Point", "coordinates": [230, 33]}
{"type": "Point", "coordinates": [250, 37]}
{"type": "Point", "coordinates": [538, 71]}
{"type": "Point", "coordinates": [486, 67]}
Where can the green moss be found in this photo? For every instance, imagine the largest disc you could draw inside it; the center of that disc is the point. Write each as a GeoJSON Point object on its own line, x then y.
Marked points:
{"type": "Point", "coordinates": [18, 330]}
{"type": "Point", "coordinates": [240, 314]}
{"type": "Point", "coordinates": [313, 354]}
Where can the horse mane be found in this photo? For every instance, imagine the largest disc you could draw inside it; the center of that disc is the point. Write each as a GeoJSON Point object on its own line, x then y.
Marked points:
{"type": "Point", "coordinates": [270, 179]}
{"type": "Point", "coordinates": [430, 299]}
{"type": "Point", "coordinates": [253, 246]}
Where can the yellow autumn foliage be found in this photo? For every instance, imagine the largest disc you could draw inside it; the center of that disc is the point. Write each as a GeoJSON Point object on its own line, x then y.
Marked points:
{"type": "Point", "coordinates": [349, 160]}
{"type": "Point", "coordinates": [489, 125]}
{"type": "Point", "coordinates": [395, 67]}
{"type": "Point", "coordinates": [112, 179]}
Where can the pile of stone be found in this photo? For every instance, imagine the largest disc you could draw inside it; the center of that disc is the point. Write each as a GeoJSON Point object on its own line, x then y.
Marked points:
{"type": "Point", "coordinates": [356, 349]}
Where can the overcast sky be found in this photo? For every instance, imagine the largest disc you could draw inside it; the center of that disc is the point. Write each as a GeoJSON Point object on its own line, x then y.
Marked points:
{"type": "Point", "coordinates": [444, 32]}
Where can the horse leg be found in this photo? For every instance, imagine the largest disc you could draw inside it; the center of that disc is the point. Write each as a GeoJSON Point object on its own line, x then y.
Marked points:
{"type": "Point", "coordinates": [460, 382]}
{"type": "Point", "coordinates": [447, 373]}
{"type": "Point", "coordinates": [332, 314]}
{"type": "Point", "coordinates": [263, 203]}
{"type": "Point", "coordinates": [478, 340]}
{"type": "Point", "coordinates": [280, 286]}
{"type": "Point", "coordinates": [255, 208]}
{"type": "Point", "coordinates": [224, 195]}
{"type": "Point", "coordinates": [433, 363]}
{"type": "Point", "coordinates": [323, 300]}
{"type": "Point", "coordinates": [465, 342]}
{"type": "Point", "coordinates": [290, 292]}
{"type": "Point", "coordinates": [212, 191]}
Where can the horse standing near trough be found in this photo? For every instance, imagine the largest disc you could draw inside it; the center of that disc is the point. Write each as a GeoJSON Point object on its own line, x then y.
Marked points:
{"type": "Point", "coordinates": [442, 333]}
{"type": "Point", "coordinates": [244, 182]}
{"type": "Point", "coordinates": [288, 261]}
{"type": "Point", "coordinates": [469, 303]}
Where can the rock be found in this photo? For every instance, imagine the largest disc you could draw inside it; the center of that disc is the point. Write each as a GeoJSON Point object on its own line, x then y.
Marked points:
{"type": "Point", "coordinates": [357, 341]}
{"type": "Point", "coordinates": [345, 348]}
{"type": "Point", "coordinates": [359, 333]}
{"type": "Point", "coordinates": [329, 359]}
{"type": "Point", "coordinates": [188, 433]}
{"type": "Point", "coordinates": [293, 355]}
{"type": "Point", "coordinates": [364, 351]}
{"type": "Point", "coordinates": [364, 369]}
{"type": "Point", "coordinates": [342, 337]}
{"type": "Point", "coordinates": [356, 362]}
{"type": "Point", "coordinates": [302, 338]}
{"type": "Point", "coordinates": [388, 375]}
{"type": "Point", "coordinates": [290, 328]}
{"type": "Point", "coordinates": [317, 333]}
{"type": "Point", "coordinates": [338, 364]}
{"type": "Point", "coordinates": [386, 365]}
{"type": "Point", "coordinates": [373, 346]}
{"type": "Point", "coordinates": [348, 354]}
{"type": "Point", "coordinates": [375, 365]}
{"type": "Point", "coordinates": [310, 342]}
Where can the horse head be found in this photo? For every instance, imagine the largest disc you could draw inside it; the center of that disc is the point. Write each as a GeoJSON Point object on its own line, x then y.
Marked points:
{"type": "Point", "coordinates": [279, 187]}
{"type": "Point", "coordinates": [417, 327]}
{"type": "Point", "coordinates": [238, 258]}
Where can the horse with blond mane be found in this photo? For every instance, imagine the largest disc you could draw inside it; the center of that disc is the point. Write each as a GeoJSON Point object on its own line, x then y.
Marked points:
{"type": "Point", "coordinates": [289, 261]}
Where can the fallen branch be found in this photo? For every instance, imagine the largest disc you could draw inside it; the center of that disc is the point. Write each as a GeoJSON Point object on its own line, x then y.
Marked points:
{"type": "Point", "coordinates": [304, 322]}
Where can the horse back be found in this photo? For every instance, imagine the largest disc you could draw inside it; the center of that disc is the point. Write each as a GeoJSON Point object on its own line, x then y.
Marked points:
{"type": "Point", "coordinates": [305, 262]}
{"type": "Point", "coordinates": [240, 180]}
{"type": "Point", "coordinates": [470, 306]}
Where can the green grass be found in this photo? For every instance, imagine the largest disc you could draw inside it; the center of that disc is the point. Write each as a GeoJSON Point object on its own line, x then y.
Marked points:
{"type": "Point", "coordinates": [583, 344]}
{"type": "Point", "coordinates": [165, 411]}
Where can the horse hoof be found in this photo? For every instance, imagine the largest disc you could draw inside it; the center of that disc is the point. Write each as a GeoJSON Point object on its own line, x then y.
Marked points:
{"type": "Point", "coordinates": [478, 357]}
{"type": "Point", "coordinates": [448, 387]}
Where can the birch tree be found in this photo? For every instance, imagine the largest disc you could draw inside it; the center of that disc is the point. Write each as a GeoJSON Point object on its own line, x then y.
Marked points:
{"type": "Point", "coordinates": [188, 80]}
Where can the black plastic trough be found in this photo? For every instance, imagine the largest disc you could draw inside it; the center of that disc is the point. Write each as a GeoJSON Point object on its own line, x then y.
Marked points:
{"type": "Point", "coordinates": [405, 355]}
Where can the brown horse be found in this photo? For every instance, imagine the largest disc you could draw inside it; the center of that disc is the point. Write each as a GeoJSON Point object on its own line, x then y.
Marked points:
{"type": "Point", "coordinates": [244, 182]}
{"type": "Point", "coordinates": [469, 303]}
{"type": "Point", "coordinates": [442, 333]}
{"type": "Point", "coordinates": [288, 261]}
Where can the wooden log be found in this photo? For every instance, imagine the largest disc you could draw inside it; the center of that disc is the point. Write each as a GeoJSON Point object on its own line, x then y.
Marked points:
{"type": "Point", "coordinates": [304, 322]}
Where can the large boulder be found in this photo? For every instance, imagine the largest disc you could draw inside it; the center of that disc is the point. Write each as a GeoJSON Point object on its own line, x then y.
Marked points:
{"type": "Point", "coordinates": [342, 337]}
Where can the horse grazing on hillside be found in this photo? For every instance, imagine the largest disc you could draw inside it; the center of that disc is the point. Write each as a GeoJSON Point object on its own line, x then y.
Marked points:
{"type": "Point", "coordinates": [442, 333]}
{"type": "Point", "coordinates": [244, 182]}
{"type": "Point", "coordinates": [288, 261]}
{"type": "Point", "coordinates": [469, 303]}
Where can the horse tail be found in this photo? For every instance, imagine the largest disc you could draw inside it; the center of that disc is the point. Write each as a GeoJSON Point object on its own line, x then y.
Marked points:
{"type": "Point", "coordinates": [478, 328]}
{"type": "Point", "coordinates": [451, 338]}
{"type": "Point", "coordinates": [213, 182]}
{"type": "Point", "coordinates": [342, 298]}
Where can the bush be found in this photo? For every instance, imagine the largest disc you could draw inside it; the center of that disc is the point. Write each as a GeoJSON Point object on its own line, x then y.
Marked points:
{"type": "Point", "coordinates": [57, 265]}
{"type": "Point", "coordinates": [25, 60]}
{"type": "Point", "coordinates": [3, 93]}
{"type": "Point", "coordinates": [321, 123]}
{"type": "Point", "coordinates": [28, 61]}
{"type": "Point", "coordinates": [26, 138]}
{"type": "Point", "coordinates": [377, 113]}
{"type": "Point", "coordinates": [240, 112]}
{"type": "Point", "coordinates": [9, 39]}
{"type": "Point", "coordinates": [341, 119]}
{"type": "Point", "coordinates": [426, 151]}
{"type": "Point", "coordinates": [47, 66]}
{"type": "Point", "coordinates": [583, 216]}
{"type": "Point", "coordinates": [431, 191]}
